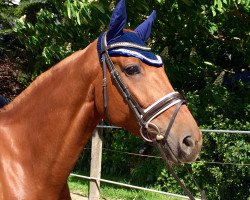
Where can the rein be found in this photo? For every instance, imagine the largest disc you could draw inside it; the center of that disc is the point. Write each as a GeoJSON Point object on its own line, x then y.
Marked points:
{"type": "Point", "coordinates": [143, 116]}
{"type": "Point", "coordinates": [169, 166]}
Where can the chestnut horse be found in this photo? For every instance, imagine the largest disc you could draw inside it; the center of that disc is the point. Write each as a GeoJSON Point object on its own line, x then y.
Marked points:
{"type": "Point", "coordinates": [43, 131]}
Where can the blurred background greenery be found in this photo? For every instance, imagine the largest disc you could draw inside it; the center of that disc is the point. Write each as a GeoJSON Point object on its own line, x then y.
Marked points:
{"type": "Point", "coordinates": [205, 45]}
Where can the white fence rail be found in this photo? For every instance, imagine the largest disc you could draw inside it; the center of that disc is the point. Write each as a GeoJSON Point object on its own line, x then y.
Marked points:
{"type": "Point", "coordinates": [202, 130]}
{"type": "Point", "coordinates": [96, 156]}
{"type": "Point", "coordinates": [129, 186]}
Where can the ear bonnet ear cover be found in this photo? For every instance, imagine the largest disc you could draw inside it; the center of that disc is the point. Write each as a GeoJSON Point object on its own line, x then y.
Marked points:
{"type": "Point", "coordinates": [116, 34]}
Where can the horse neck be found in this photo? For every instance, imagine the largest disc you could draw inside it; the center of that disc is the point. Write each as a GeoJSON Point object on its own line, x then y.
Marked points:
{"type": "Point", "coordinates": [50, 122]}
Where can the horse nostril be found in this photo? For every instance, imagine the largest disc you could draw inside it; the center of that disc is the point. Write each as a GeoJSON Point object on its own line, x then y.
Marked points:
{"type": "Point", "coordinates": [188, 141]}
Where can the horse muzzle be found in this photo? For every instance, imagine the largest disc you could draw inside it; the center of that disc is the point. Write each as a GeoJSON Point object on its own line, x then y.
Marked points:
{"type": "Point", "coordinates": [182, 149]}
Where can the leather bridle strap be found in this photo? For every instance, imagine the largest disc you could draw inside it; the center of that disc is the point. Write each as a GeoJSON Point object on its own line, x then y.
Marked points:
{"type": "Point", "coordinates": [177, 179]}
{"type": "Point", "coordinates": [105, 89]}
{"type": "Point", "coordinates": [170, 169]}
{"type": "Point", "coordinates": [144, 116]}
{"type": "Point", "coordinates": [161, 105]}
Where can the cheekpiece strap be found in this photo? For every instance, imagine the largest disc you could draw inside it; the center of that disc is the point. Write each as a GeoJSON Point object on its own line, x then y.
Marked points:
{"type": "Point", "coordinates": [144, 116]}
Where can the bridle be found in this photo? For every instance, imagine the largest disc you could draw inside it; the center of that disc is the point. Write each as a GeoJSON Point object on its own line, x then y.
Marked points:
{"type": "Point", "coordinates": [143, 116]}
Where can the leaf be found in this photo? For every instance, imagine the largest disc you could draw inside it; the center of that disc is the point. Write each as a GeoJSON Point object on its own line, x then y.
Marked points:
{"type": "Point", "coordinates": [219, 3]}
{"type": "Point", "coordinates": [208, 63]}
{"type": "Point", "coordinates": [68, 5]}
{"type": "Point", "coordinates": [187, 2]}
{"type": "Point", "coordinates": [34, 40]}
{"type": "Point", "coordinates": [78, 18]}
{"type": "Point", "coordinates": [213, 11]}
{"type": "Point", "coordinates": [99, 6]}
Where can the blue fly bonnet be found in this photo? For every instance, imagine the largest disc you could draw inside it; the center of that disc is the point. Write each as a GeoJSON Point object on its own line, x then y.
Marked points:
{"type": "Point", "coordinates": [116, 41]}
{"type": "Point", "coordinates": [116, 35]}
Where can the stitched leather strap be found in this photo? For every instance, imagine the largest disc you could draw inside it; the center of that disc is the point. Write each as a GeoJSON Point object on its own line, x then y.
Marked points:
{"type": "Point", "coordinates": [144, 116]}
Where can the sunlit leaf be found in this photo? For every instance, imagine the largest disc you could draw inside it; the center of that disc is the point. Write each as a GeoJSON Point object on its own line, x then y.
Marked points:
{"type": "Point", "coordinates": [78, 18]}
{"type": "Point", "coordinates": [99, 6]}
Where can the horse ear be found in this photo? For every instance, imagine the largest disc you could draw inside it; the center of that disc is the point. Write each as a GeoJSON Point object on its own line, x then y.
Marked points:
{"type": "Point", "coordinates": [144, 29]}
{"type": "Point", "coordinates": [117, 21]}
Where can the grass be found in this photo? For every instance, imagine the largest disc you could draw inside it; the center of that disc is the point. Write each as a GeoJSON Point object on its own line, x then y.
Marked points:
{"type": "Point", "coordinates": [111, 192]}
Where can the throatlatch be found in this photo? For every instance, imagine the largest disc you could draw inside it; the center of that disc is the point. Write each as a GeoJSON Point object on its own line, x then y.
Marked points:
{"type": "Point", "coordinates": [144, 116]}
{"type": "Point", "coordinates": [116, 41]}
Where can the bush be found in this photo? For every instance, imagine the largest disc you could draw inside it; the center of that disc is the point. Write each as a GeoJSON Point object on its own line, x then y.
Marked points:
{"type": "Point", "coordinates": [221, 170]}
{"type": "Point", "coordinates": [205, 46]}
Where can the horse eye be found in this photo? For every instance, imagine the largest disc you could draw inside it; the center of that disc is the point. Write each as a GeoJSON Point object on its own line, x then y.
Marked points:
{"type": "Point", "coordinates": [132, 70]}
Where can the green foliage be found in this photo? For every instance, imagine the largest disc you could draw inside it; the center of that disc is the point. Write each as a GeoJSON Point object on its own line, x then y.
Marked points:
{"type": "Point", "coordinates": [217, 101]}
{"type": "Point", "coordinates": [141, 169]}
{"type": "Point", "coordinates": [203, 44]}
{"type": "Point", "coordinates": [222, 181]}
{"type": "Point", "coordinates": [227, 148]}
{"type": "Point", "coordinates": [57, 29]}
{"type": "Point", "coordinates": [8, 12]}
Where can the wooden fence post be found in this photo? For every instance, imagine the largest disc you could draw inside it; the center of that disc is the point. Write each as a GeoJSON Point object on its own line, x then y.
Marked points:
{"type": "Point", "coordinates": [95, 165]}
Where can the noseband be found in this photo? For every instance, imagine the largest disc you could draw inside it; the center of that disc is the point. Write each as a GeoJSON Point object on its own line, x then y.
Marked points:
{"type": "Point", "coordinates": [143, 116]}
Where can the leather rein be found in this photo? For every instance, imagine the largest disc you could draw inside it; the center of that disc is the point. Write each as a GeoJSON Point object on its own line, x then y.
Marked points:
{"type": "Point", "coordinates": [143, 116]}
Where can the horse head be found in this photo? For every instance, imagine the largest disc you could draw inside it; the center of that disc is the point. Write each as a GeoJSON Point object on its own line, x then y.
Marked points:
{"type": "Point", "coordinates": [137, 93]}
